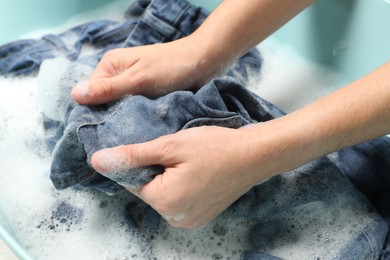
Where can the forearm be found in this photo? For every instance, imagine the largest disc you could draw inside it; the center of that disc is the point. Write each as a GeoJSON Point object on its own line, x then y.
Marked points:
{"type": "Point", "coordinates": [237, 26]}
{"type": "Point", "coordinates": [353, 114]}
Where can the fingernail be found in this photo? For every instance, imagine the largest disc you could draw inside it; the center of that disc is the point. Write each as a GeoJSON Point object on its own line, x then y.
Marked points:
{"type": "Point", "coordinates": [82, 89]}
{"type": "Point", "coordinates": [109, 160]}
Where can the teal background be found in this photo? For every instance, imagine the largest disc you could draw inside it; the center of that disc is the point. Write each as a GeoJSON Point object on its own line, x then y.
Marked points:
{"type": "Point", "coordinates": [18, 17]}
{"type": "Point", "coordinates": [351, 36]}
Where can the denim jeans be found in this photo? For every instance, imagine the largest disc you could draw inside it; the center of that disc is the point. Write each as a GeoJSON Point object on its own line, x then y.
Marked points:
{"type": "Point", "coordinates": [367, 167]}
{"type": "Point", "coordinates": [314, 207]}
{"type": "Point", "coordinates": [223, 102]}
{"type": "Point", "coordinates": [317, 209]}
{"type": "Point", "coordinates": [24, 57]}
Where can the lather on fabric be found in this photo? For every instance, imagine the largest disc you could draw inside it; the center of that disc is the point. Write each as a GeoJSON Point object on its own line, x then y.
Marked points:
{"type": "Point", "coordinates": [367, 166]}
{"type": "Point", "coordinates": [298, 208]}
{"type": "Point", "coordinates": [222, 102]}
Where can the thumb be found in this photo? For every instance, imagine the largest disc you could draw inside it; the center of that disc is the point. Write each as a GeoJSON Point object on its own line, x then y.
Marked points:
{"type": "Point", "coordinates": [126, 157]}
{"type": "Point", "coordinates": [101, 90]}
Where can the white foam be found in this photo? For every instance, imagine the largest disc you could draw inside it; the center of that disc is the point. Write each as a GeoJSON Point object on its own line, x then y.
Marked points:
{"type": "Point", "coordinates": [290, 81]}
{"type": "Point", "coordinates": [28, 200]}
{"type": "Point", "coordinates": [56, 78]}
{"type": "Point", "coordinates": [49, 93]}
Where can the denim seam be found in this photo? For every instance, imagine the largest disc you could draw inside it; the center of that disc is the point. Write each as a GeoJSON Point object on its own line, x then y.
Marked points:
{"type": "Point", "coordinates": [151, 20]}
{"type": "Point", "coordinates": [116, 109]}
{"type": "Point", "coordinates": [184, 10]}
{"type": "Point", "coordinates": [62, 182]}
{"type": "Point", "coordinates": [370, 244]}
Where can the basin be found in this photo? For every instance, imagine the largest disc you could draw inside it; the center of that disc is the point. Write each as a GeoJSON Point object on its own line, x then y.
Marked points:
{"type": "Point", "coordinates": [349, 36]}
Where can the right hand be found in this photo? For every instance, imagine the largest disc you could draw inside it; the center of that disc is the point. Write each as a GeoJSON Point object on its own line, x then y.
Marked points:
{"type": "Point", "coordinates": [206, 170]}
{"type": "Point", "coordinates": [150, 70]}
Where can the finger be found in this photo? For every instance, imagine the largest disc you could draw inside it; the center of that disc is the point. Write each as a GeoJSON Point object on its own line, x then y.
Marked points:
{"type": "Point", "coordinates": [103, 90]}
{"type": "Point", "coordinates": [114, 77]}
{"type": "Point", "coordinates": [114, 62]}
{"type": "Point", "coordinates": [125, 157]}
{"type": "Point", "coordinates": [99, 91]}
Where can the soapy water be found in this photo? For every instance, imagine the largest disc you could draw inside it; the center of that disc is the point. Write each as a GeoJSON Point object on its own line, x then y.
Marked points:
{"type": "Point", "coordinates": [86, 224]}
{"type": "Point", "coordinates": [290, 81]}
{"type": "Point", "coordinates": [73, 224]}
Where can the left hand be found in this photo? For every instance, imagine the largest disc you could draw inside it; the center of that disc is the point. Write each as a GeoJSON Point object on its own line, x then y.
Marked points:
{"type": "Point", "coordinates": [150, 70]}
{"type": "Point", "coordinates": [206, 170]}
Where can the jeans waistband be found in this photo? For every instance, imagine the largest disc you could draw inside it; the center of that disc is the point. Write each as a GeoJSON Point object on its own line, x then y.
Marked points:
{"type": "Point", "coordinates": [166, 21]}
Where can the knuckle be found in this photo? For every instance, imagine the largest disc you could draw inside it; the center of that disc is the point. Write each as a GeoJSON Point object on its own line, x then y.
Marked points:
{"type": "Point", "coordinates": [139, 80]}
{"type": "Point", "coordinates": [132, 154]}
{"type": "Point", "coordinates": [111, 54]}
{"type": "Point", "coordinates": [111, 62]}
{"type": "Point", "coordinates": [102, 88]}
{"type": "Point", "coordinates": [168, 147]}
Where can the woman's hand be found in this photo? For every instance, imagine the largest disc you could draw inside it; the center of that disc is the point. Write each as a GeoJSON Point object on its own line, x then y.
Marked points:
{"type": "Point", "coordinates": [231, 30]}
{"type": "Point", "coordinates": [206, 170]}
{"type": "Point", "coordinates": [150, 70]}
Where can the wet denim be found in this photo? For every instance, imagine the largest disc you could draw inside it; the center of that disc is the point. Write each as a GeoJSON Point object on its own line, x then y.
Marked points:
{"type": "Point", "coordinates": [312, 212]}
{"type": "Point", "coordinates": [23, 57]}
{"type": "Point", "coordinates": [314, 206]}
{"type": "Point", "coordinates": [136, 119]}
{"type": "Point", "coordinates": [223, 102]}
{"type": "Point", "coordinates": [367, 166]}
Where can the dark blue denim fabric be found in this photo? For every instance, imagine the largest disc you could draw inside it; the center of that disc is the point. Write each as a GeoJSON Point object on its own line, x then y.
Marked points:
{"type": "Point", "coordinates": [137, 119]}
{"type": "Point", "coordinates": [367, 166]}
{"type": "Point", "coordinates": [221, 102]}
{"type": "Point", "coordinates": [386, 249]}
{"type": "Point", "coordinates": [296, 208]}
{"type": "Point", "coordinates": [24, 57]}
{"type": "Point", "coordinates": [314, 207]}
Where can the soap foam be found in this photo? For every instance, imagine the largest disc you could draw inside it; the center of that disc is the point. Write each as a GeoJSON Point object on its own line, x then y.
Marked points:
{"type": "Point", "coordinates": [85, 224]}
{"type": "Point", "coordinates": [290, 81]}
{"type": "Point", "coordinates": [49, 91]}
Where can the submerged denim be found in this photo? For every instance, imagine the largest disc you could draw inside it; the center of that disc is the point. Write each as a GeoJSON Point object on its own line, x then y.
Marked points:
{"type": "Point", "coordinates": [86, 129]}
{"type": "Point", "coordinates": [367, 166]}
{"type": "Point", "coordinates": [137, 119]}
{"type": "Point", "coordinates": [313, 207]}
{"type": "Point", "coordinates": [24, 57]}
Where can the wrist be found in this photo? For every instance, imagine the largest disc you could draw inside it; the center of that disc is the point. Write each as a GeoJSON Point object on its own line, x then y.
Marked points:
{"type": "Point", "coordinates": [277, 146]}
{"type": "Point", "coordinates": [213, 57]}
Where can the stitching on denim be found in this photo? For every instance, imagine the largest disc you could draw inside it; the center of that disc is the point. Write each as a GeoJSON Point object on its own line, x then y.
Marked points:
{"type": "Point", "coordinates": [370, 244]}
{"type": "Point", "coordinates": [116, 108]}
{"type": "Point", "coordinates": [157, 29]}
{"type": "Point", "coordinates": [184, 10]}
